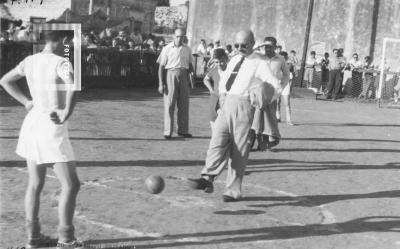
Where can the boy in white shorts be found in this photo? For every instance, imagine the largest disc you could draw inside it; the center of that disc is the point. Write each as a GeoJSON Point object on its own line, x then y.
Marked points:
{"type": "Point", "coordinates": [43, 139]}
{"type": "Point", "coordinates": [285, 95]}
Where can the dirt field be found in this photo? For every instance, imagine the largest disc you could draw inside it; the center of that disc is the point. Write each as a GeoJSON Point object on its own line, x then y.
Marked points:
{"type": "Point", "coordinates": [333, 182]}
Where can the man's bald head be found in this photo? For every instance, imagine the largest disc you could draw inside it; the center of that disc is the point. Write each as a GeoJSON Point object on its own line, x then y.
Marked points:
{"type": "Point", "coordinates": [245, 40]}
{"type": "Point", "coordinates": [179, 34]}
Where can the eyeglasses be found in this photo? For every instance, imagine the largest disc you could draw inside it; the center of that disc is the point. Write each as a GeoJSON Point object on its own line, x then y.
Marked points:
{"type": "Point", "coordinates": [269, 46]}
{"type": "Point", "coordinates": [240, 45]}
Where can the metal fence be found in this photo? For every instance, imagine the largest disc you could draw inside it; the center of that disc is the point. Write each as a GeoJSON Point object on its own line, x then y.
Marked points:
{"type": "Point", "coordinates": [356, 83]}
{"type": "Point", "coordinates": [109, 67]}
{"type": "Point", "coordinates": [101, 67]}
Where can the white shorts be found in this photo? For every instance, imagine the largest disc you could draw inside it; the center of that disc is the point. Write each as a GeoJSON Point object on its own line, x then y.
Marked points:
{"type": "Point", "coordinates": [42, 141]}
{"type": "Point", "coordinates": [286, 90]}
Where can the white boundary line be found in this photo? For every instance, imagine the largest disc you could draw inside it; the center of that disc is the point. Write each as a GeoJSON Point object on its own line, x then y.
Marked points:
{"type": "Point", "coordinates": [129, 232]}
{"type": "Point", "coordinates": [328, 216]}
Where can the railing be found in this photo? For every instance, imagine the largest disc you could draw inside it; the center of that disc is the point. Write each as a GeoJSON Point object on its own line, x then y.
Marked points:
{"type": "Point", "coordinates": [354, 82]}
{"type": "Point", "coordinates": [110, 67]}
{"type": "Point", "coordinates": [101, 67]}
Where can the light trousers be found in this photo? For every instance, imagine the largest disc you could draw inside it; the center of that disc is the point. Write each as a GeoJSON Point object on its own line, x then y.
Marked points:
{"type": "Point", "coordinates": [230, 143]}
{"type": "Point", "coordinates": [177, 94]}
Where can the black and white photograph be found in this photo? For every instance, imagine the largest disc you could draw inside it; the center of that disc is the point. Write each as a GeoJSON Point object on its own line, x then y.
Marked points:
{"type": "Point", "coordinates": [200, 124]}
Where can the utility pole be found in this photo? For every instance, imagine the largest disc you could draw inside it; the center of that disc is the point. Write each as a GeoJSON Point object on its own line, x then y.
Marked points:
{"type": "Point", "coordinates": [375, 15]}
{"type": "Point", "coordinates": [306, 39]}
{"type": "Point", "coordinates": [90, 7]}
{"type": "Point", "coordinates": [108, 11]}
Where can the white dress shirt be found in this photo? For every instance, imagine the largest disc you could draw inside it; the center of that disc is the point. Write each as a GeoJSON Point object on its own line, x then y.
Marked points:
{"type": "Point", "coordinates": [201, 50]}
{"type": "Point", "coordinates": [253, 71]}
{"type": "Point", "coordinates": [174, 57]}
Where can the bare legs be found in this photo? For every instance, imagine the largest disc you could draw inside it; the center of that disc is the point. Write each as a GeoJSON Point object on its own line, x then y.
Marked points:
{"type": "Point", "coordinates": [66, 174]}
{"type": "Point", "coordinates": [286, 102]}
{"type": "Point", "coordinates": [37, 174]}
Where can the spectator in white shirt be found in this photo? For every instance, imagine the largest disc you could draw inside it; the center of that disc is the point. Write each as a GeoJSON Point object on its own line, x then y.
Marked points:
{"type": "Point", "coordinates": [174, 79]}
{"type": "Point", "coordinates": [202, 52]}
{"type": "Point", "coordinates": [201, 49]}
{"type": "Point", "coordinates": [311, 62]}
{"type": "Point", "coordinates": [136, 37]}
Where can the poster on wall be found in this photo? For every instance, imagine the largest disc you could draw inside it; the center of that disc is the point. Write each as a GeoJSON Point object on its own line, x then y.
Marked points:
{"type": "Point", "coordinates": [167, 19]}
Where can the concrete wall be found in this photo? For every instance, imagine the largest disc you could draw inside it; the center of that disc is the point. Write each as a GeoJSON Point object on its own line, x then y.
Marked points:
{"type": "Point", "coordinates": [336, 23]}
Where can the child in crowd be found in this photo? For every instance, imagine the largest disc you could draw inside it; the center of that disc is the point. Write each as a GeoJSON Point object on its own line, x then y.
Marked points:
{"type": "Point", "coordinates": [211, 81]}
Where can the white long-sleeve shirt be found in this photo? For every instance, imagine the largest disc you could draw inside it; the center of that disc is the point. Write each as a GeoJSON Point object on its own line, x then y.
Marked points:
{"type": "Point", "coordinates": [253, 71]}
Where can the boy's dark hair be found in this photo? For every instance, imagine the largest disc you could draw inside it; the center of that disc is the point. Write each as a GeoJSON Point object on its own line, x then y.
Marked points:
{"type": "Point", "coordinates": [284, 54]}
{"type": "Point", "coordinates": [210, 45]}
{"type": "Point", "coordinates": [270, 39]}
{"type": "Point", "coordinates": [202, 40]}
{"type": "Point", "coordinates": [229, 46]}
{"type": "Point", "coordinates": [326, 54]}
{"type": "Point", "coordinates": [312, 52]}
{"type": "Point", "coordinates": [335, 49]}
{"type": "Point", "coordinates": [57, 35]}
{"type": "Point", "coordinates": [355, 54]}
{"type": "Point", "coordinates": [292, 51]}
{"type": "Point", "coordinates": [236, 45]}
{"type": "Point", "coordinates": [368, 57]}
{"type": "Point", "coordinates": [219, 54]}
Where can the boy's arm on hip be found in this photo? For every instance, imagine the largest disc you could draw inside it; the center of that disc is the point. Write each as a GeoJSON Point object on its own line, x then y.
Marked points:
{"type": "Point", "coordinates": [8, 82]}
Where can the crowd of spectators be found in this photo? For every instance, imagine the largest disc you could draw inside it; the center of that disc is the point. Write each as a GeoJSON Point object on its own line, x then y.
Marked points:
{"type": "Point", "coordinates": [206, 50]}
{"type": "Point", "coordinates": [360, 74]}
{"type": "Point", "coordinates": [338, 72]}
{"type": "Point", "coordinates": [108, 37]}
{"type": "Point", "coordinates": [122, 40]}
{"type": "Point", "coordinates": [18, 33]}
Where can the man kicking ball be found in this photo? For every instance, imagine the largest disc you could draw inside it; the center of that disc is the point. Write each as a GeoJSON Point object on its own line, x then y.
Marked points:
{"type": "Point", "coordinates": [43, 140]}
{"type": "Point", "coordinates": [230, 140]}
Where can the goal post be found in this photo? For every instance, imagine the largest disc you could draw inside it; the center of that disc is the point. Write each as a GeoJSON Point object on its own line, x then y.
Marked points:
{"type": "Point", "coordinates": [389, 71]}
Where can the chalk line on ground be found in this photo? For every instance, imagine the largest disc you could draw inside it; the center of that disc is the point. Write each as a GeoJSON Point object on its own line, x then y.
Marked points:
{"type": "Point", "coordinates": [127, 231]}
{"type": "Point", "coordinates": [327, 216]}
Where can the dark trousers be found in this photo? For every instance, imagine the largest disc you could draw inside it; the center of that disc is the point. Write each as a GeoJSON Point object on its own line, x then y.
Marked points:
{"type": "Point", "coordinates": [335, 83]}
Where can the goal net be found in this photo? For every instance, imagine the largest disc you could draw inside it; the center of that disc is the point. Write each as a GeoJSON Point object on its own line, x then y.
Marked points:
{"type": "Point", "coordinates": [388, 76]}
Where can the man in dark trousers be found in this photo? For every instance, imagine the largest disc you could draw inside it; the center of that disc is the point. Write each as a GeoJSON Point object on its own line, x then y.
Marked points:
{"type": "Point", "coordinates": [336, 65]}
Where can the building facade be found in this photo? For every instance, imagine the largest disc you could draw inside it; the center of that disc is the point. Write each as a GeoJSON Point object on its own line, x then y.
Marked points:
{"type": "Point", "coordinates": [132, 13]}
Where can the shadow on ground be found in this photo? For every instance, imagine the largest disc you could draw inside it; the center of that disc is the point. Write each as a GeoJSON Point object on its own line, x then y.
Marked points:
{"type": "Point", "coordinates": [254, 165]}
{"type": "Point", "coordinates": [361, 225]}
{"type": "Point", "coordinates": [317, 200]}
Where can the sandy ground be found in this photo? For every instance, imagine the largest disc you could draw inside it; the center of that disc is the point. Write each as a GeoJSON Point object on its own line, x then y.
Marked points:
{"type": "Point", "coordinates": [333, 182]}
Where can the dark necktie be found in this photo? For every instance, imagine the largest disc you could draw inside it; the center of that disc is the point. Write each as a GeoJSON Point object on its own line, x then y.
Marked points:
{"type": "Point", "coordinates": [233, 75]}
